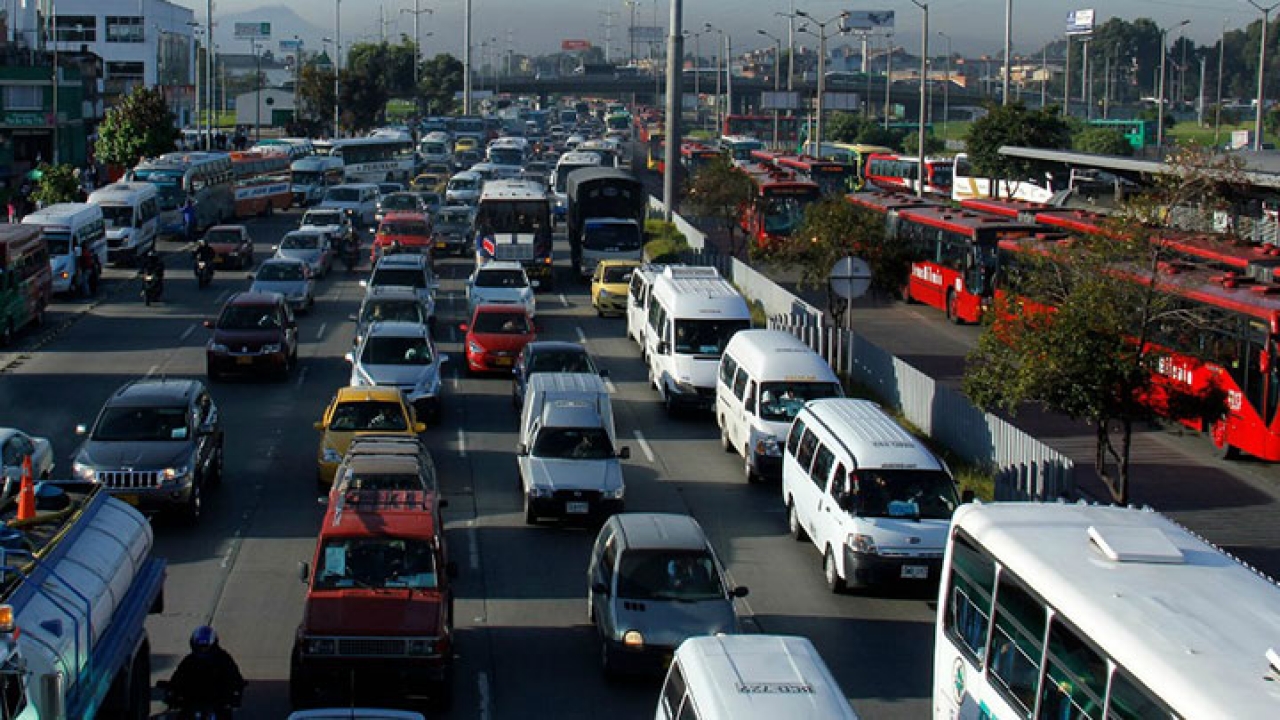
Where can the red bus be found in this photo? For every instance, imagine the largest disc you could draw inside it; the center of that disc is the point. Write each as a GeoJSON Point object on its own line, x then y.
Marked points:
{"type": "Point", "coordinates": [261, 182]}
{"type": "Point", "coordinates": [693, 155]}
{"type": "Point", "coordinates": [778, 204]}
{"type": "Point", "coordinates": [898, 172]}
{"type": "Point", "coordinates": [888, 204]}
{"type": "Point", "coordinates": [761, 126]}
{"type": "Point", "coordinates": [1020, 210]}
{"type": "Point", "coordinates": [956, 257]}
{"type": "Point", "coordinates": [833, 177]}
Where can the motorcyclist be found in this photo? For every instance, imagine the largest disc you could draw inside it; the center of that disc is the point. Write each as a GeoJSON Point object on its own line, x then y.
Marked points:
{"type": "Point", "coordinates": [151, 264]}
{"type": "Point", "coordinates": [207, 678]}
{"type": "Point", "coordinates": [203, 252]}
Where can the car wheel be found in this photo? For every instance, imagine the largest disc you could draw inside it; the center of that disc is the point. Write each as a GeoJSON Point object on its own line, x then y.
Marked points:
{"type": "Point", "coordinates": [793, 523]}
{"type": "Point", "coordinates": [753, 477]}
{"type": "Point", "coordinates": [669, 404]}
{"type": "Point", "coordinates": [725, 443]}
{"type": "Point", "coordinates": [835, 583]}
{"type": "Point", "coordinates": [530, 517]}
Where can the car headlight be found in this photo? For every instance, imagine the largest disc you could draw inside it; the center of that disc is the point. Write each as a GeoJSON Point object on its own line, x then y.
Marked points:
{"type": "Point", "coordinates": [217, 347]}
{"type": "Point", "coordinates": [474, 347]}
{"type": "Point", "coordinates": [83, 472]}
{"type": "Point", "coordinates": [616, 494]}
{"type": "Point", "coordinates": [271, 348]}
{"type": "Point", "coordinates": [863, 544]}
{"type": "Point", "coordinates": [330, 455]}
{"type": "Point", "coordinates": [421, 646]}
{"type": "Point", "coordinates": [540, 492]}
{"type": "Point", "coordinates": [633, 638]}
{"type": "Point", "coordinates": [320, 646]}
{"type": "Point", "coordinates": [605, 294]}
{"type": "Point", "coordinates": [767, 445]}
{"type": "Point", "coordinates": [172, 474]}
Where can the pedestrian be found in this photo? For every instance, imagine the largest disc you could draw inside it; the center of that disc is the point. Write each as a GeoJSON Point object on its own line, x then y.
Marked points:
{"type": "Point", "coordinates": [189, 220]}
{"type": "Point", "coordinates": [14, 216]}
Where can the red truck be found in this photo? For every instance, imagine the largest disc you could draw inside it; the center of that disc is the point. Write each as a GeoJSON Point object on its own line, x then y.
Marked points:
{"type": "Point", "coordinates": [378, 618]}
{"type": "Point", "coordinates": [410, 232]}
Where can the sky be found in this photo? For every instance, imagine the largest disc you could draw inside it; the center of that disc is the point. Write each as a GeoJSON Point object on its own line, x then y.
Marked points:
{"type": "Point", "coordinates": [537, 26]}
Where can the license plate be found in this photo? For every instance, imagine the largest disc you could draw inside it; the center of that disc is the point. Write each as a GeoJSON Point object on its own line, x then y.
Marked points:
{"type": "Point", "coordinates": [131, 499]}
{"type": "Point", "coordinates": [244, 360]}
{"type": "Point", "coordinates": [915, 572]}
{"type": "Point", "coordinates": [577, 508]}
{"type": "Point", "coordinates": [502, 361]}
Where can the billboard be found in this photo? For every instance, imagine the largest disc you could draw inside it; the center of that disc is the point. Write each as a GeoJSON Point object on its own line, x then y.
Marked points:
{"type": "Point", "coordinates": [869, 19]}
{"type": "Point", "coordinates": [253, 31]}
{"type": "Point", "coordinates": [290, 46]}
{"type": "Point", "coordinates": [575, 45]}
{"type": "Point", "coordinates": [1080, 22]}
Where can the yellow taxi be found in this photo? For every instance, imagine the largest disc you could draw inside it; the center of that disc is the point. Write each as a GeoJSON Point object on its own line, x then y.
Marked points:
{"type": "Point", "coordinates": [609, 286]}
{"type": "Point", "coordinates": [432, 182]}
{"type": "Point", "coordinates": [356, 411]}
{"type": "Point", "coordinates": [464, 143]}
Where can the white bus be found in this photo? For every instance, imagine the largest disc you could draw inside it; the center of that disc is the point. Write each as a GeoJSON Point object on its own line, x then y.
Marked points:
{"type": "Point", "coordinates": [311, 176]}
{"type": "Point", "coordinates": [514, 217]}
{"type": "Point", "coordinates": [382, 158]}
{"type": "Point", "coordinates": [1084, 611]}
{"type": "Point", "coordinates": [567, 163]}
{"type": "Point", "coordinates": [205, 178]}
{"type": "Point", "coordinates": [967, 186]}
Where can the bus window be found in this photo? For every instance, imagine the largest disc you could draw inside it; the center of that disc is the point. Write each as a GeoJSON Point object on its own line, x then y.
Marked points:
{"type": "Point", "coordinates": [968, 613]}
{"type": "Point", "coordinates": [1075, 682]}
{"type": "Point", "coordinates": [1129, 701]}
{"type": "Point", "coordinates": [1017, 642]}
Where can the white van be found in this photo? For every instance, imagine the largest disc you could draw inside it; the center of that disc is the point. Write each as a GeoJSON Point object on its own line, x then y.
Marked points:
{"type": "Point", "coordinates": [358, 200]}
{"type": "Point", "coordinates": [464, 189]}
{"type": "Point", "coordinates": [131, 213]}
{"type": "Point", "coordinates": [568, 456]}
{"type": "Point", "coordinates": [436, 147]}
{"type": "Point", "coordinates": [766, 376]}
{"type": "Point", "coordinates": [750, 677]}
{"type": "Point", "coordinates": [871, 497]}
{"type": "Point", "coordinates": [311, 176]}
{"type": "Point", "coordinates": [693, 313]}
{"type": "Point", "coordinates": [638, 303]}
{"type": "Point", "coordinates": [67, 228]}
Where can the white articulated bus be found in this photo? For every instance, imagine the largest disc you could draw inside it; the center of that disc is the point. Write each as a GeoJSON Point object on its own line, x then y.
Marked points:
{"type": "Point", "coordinates": [1084, 611]}
{"type": "Point", "coordinates": [204, 178]}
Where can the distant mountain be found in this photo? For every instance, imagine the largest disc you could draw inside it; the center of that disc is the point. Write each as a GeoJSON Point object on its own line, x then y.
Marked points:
{"type": "Point", "coordinates": [285, 24]}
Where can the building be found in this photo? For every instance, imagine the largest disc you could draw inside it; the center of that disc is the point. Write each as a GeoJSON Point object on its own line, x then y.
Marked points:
{"type": "Point", "coordinates": [141, 42]}
{"type": "Point", "coordinates": [275, 108]}
{"type": "Point", "coordinates": [34, 127]}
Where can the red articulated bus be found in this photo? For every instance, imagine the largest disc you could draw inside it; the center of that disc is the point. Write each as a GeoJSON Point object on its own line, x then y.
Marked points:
{"type": "Point", "coordinates": [761, 126]}
{"type": "Point", "coordinates": [1020, 210]}
{"type": "Point", "coordinates": [831, 176]}
{"type": "Point", "coordinates": [778, 203]}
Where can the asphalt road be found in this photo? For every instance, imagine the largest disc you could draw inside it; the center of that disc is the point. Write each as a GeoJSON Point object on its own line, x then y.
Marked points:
{"type": "Point", "coordinates": [525, 648]}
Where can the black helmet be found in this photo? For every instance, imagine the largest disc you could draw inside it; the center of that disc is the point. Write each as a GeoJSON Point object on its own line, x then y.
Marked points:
{"type": "Point", "coordinates": [203, 638]}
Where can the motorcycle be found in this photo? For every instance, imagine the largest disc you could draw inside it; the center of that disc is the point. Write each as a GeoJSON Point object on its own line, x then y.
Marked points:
{"type": "Point", "coordinates": [349, 253]}
{"type": "Point", "coordinates": [177, 708]}
{"type": "Point", "coordinates": [152, 286]}
{"type": "Point", "coordinates": [204, 273]}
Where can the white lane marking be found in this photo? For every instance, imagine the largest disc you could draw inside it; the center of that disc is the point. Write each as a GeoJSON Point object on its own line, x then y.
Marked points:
{"type": "Point", "coordinates": [320, 332]}
{"type": "Point", "coordinates": [608, 384]}
{"type": "Point", "coordinates": [644, 446]}
{"type": "Point", "coordinates": [482, 686]}
{"type": "Point", "coordinates": [582, 336]}
{"type": "Point", "coordinates": [302, 376]}
{"type": "Point", "coordinates": [462, 442]}
{"type": "Point", "coordinates": [475, 545]}
{"type": "Point", "coordinates": [152, 370]}
{"type": "Point", "coordinates": [186, 333]}
{"type": "Point", "coordinates": [564, 300]}
{"type": "Point", "coordinates": [223, 297]}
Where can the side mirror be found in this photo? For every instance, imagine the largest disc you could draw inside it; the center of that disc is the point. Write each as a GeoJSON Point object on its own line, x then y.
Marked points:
{"type": "Point", "coordinates": [740, 591]}
{"type": "Point", "coordinates": [353, 318]}
{"type": "Point", "coordinates": [304, 571]}
{"type": "Point", "coordinates": [451, 569]}
{"type": "Point", "coordinates": [522, 449]}
{"type": "Point", "coordinates": [364, 283]}
{"type": "Point", "coordinates": [443, 359]}
{"type": "Point", "coordinates": [208, 324]}
{"type": "Point", "coordinates": [81, 429]}
{"type": "Point", "coordinates": [248, 276]}
{"type": "Point", "coordinates": [664, 347]}
{"type": "Point", "coordinates": [322, 500]}
{"type": "Point", "coordinates": [319, 425]}
{"type": "Point", "coordinates": [420, 427]}
{"type": "Point", "coordinates": [624, 452]}
{"type": "Point", "coordinates": [274, 248]}
{"type": "Point", "coordinates": [967, 497]}
{"type": "Point", "coordinates": [599, 588]}
{"type": "Point", "coordinates": [349, 357]}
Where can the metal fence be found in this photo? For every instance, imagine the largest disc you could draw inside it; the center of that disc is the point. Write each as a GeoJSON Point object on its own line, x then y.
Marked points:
{"type": "Point", "coordinates": [1024, 468]}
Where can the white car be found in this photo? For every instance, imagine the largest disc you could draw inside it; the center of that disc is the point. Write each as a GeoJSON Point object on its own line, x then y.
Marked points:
{"type": "Point", "coordinates": [16, 445]}
{"type": "Point", "coordinates": [500, 282]}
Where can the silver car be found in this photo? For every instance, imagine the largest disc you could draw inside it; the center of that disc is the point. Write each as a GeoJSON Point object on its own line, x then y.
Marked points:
{"type": "Point", "coordinates": [500, 282]}
{"type": "Point", "coordinates": [309, 246]}
{"type": "Point", "coordinates": [290, 277]}
{"type": "Point", "coordinates": [400, 355]}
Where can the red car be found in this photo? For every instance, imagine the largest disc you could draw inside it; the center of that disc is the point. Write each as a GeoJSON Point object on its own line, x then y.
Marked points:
{"type": "Point", "coordinates": [495, 337]}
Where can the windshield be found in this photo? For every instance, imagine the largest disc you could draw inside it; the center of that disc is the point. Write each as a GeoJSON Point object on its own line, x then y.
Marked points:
{"type": "Point", "coordinates": [706, 337]}
{"type": "Point", "coordinates": [117, 216]}
{"type": "Point", "coordinates": [501, 279]}
{"type": "Point", "coordinates": [782, 400]}
{"type": "Point", "coordinates": [669, 575]}
{"type": "Point", "coordinates": [940, 175]}
{"type": "Point", "coordinates": [903, 493]}
{"type": "Point", "coordinates": [249, 317]}
{"type": "Point", "coordinates": [400, 202]}
{"type": "Point", "coordinates": [222, 237]}
{"type": "Point", "coordinates": [300, 242]}
{"type": "Point", "coordinates": [142, 424]}
{"type": "Point", "coordinates": [277, 272]}
{"type": "Point", "coordinates": [568, 361]}
{"type": "Point", "coordinates": [502, 323]}
{"type": "Point", "coordinates": [506, 156]}
{"type": "Point", "coordinates": [368, 416]}
{"type": "Point", "coordinates": [573, 444]}
{"type": "Point", "coordinates": [783, 214]}
{"type": "Point", "coordinates": [418, 229]}
{"type": "Point", "coordinates": [393, 310]}
{"type": "Point", "coordinates": [381, 350]}
{"type": "Point", "coordinates": [315, 217]}
{"type": "Point", "coordinates": [343, 195]}
{"type": "Point", "coordinates": [302, 177]}
{"type": "Point", "coordinates": [618, 274]}
{"type": "Point", "coordinates": [453, 222]}
{"type": "Point", "coordinates": [611, 237]}
{"type": "Point", "coordinates": [407, 277]}
{"type": "Point", "coordinates": [59, 243]}
{"type": "Point", "coordinates": [434, 148]}
{"type": "Point", "coordinates": [376, 563]}
{"type": "Point", "coordinates": [168, 184]}
{"type": "Point", "coordinates": [462, 184]}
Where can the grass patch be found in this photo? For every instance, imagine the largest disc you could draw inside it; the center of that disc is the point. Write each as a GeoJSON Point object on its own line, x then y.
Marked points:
{"type": "Point", "coordinates": [665, 244]}
{"type": "Point", "coordinates": [1190, 131]}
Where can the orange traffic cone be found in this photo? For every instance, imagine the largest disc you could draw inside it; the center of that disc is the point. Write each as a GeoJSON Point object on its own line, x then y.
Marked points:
{"type": "Point", "coordinates": [27, 492]}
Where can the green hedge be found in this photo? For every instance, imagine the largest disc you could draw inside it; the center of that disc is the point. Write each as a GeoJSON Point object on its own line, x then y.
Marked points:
{"type": "Point", "coordinates": [665, 244]}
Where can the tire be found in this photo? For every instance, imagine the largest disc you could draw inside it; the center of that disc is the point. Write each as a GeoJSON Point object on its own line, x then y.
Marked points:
{"type": "Point", "coordinates": [835, 583]}
{"type": "Point", "coordinates": [725, 443]}
{"type": "Point", "coordinates": [794, 528]}
{"type": "Point", "coordinates": [753, 477]}
{"type": "Point", "coordinates": [530, 517]}
{"type": "Point", "coordinates": [951, 309]}
{"type": "Point", "coordinates": [669, 404]}
{"type": "Point", "coordinates": [1223, 449]}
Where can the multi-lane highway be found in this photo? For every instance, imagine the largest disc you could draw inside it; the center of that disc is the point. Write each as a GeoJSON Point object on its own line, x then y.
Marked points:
{"type": "Point", "coordinates": [524, 644]}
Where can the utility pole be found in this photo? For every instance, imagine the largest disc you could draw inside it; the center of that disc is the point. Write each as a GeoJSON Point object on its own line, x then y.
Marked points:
{"type": "Point", "coordinates": [337, 65]}
{"type": "Point", "coordinates": [671, 152]}
{"type": "Point", "coordinates": [631, 31]}
{"type": "Point", "coordinates": [417, 40]}
{"type": "Point", "coordinates": [466, 60]}
{"type": "Point", "coordinates": [609, 15]}
{"type": "Point", "coordinates": [210, 98]}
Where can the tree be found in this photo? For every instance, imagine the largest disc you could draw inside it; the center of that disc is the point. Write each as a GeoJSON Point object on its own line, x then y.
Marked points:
{"type": "Point", "coordinates": [438, 81]}
{"type": "Point", "coordinates": [833, 228]}
{"type": "Point", "coordinates": [1081, 337]}
{"type": "Point", "coordinates": [1102, 141]}
{"type": "Point", "coordinates": [720, 190]}
{"type": "Point", "coordinates": [58, 184]}
{"type": "Point", "coordinates": [364, 86]}
{"type": "Point", "coordinates": [315, 92]}
{"type": "Point", "coordinates": [139, 126]}
{"type": "Point", "coordinates": [1014, 124]}
{"type": "Point", "coordinates": [932, 143]}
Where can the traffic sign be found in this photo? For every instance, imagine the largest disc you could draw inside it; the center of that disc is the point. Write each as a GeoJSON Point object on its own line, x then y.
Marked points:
{"type": "Point", "coordinates": [850, 278]}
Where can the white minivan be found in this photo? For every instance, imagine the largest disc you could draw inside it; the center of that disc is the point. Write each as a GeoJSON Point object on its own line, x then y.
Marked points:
{"type": "Point", "coordinates": [131, 212]}
{"type": "Point", "coordinates": [638, 303]}
{"type": "Point", "coordinates": [67, 228]}
{"type": "Point", "coordinates": [872, 498]}
{"type": "Point", "coordinates": [358, 200]}
{"type": "Point", "coordinates": [750, 677]}
{"type": "Point", "coordinates": [766, 377]}
{"type": "Point", "coordinates": [693, 313]}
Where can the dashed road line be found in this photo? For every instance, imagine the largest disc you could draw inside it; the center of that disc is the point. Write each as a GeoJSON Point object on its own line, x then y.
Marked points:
{"type": "Point", "coordinates": [644, 446]}
{"type": "Point", "coordinates": [582, 336]}
{"type": "Point", "coordinates": [475, 545]}
{"type": "Point", "coordinates": [462, 442]}
{"type": "Point", "coordinates": [152, 370]}
{"type": "Point", "coordinates": [186, 333]}
{"type": "Point", "coordinates": [482, 688]}
{"type": "Point", "coordinates": [320, 332]}
{"type": "Point", "coordinates": [564, 300]}
{"type": "Point", "coordinates": [222, 298]}
{"type": "Point", "coordinates": [302, 377]}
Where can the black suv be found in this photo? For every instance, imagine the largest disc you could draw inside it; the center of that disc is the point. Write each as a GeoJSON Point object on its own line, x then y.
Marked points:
{"type": "Point", "coordinates": [157, 445]}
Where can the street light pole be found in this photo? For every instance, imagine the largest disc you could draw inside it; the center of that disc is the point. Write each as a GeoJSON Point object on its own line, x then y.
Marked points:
{"type": "Point", "coordinates": [1008, 47]}
{"type": "Point", "coordinates": [777, 79]}
{"type": "Point", "coordinates": [257, 113]}
{"type": "Point", "coordinates": [675, 95]}
{"type": "Point", "coordinates": [208, 69]}
{"type": "Point", "coordinates": [466, 60]}
{"type": "Point", "coordinates": [719, 59]}
{"type": "Point", "coordinates": [888, 78]}
{"type": "Point", "coordinates": [1262, 71]}
{"type": "Point", "coordinates": [1164, 55]}
{"type": "Point", "coordinates": [946, 88]}
{"type": "Point", "coordinates": [416, 12]}
{"type": "Point", "coordinates": [924, 58]}
{"type": "Point", "coordinates": [337, 65]}
{"type": "Point", "coordinates": [819, 127]}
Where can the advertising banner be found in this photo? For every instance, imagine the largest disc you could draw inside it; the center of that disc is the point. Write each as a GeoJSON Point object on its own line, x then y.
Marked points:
{"type": "Point", "coordinates": [1080, 22]}
{"type": "Point", "coordinates": [575, 45]}
{"type": "Point", "coordinates": [869, 19]}
{"type": "Point", "coordinates": [253, 31]}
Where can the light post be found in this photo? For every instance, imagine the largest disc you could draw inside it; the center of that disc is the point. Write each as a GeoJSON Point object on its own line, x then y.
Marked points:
{"type": "Point", "coordinates": [209, 77]}
{"type": "Point", "coordinates": [416, 12]}
{"type": "Point", "coordinates": [337, 65]}
{"type": "Point", "coordinates": [1008, 46]}
{"type": "Point", "coordinates": [924, 59]}
{"type": "Point", "coordinates": [1262, 70]}
{"type": "Point", "coordinates": [822, 68]}
{"type": "Point", "coordinates": [196, 30]}
{"type": "Point", "coordinates": [888, 78]}
{"type": "Point", "coordinates": [946, 87]}
{"type": "Point", "coordinates": [297, 78]}
{"type": "Point", "coordinates": [777, 79]}
{"type": "Point", "coordinates": [719, 58]}
{"type": "Point", "coordinates": [257, 113]}
{"type": "Point", "coordinates": [697, 73]}
{"type": "Point", "coordinates": [675, 93]}
{"type": "Point", "coordinates": [1164, 56]}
